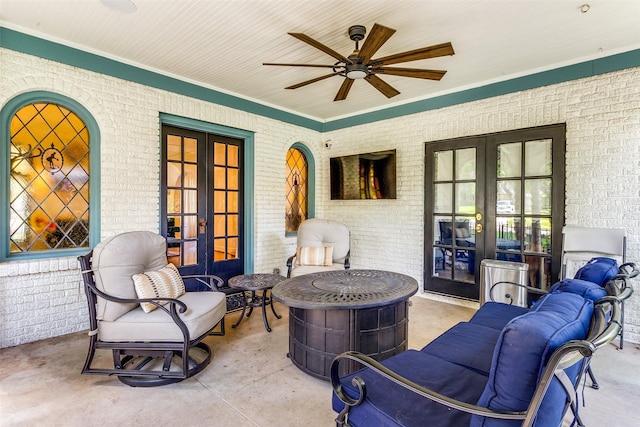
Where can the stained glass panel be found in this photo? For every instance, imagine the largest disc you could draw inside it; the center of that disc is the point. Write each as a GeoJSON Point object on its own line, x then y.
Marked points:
{"type": "Point", "coordinates": [49, 179]}
{"type": "Point", "coordinates": [296, 189]}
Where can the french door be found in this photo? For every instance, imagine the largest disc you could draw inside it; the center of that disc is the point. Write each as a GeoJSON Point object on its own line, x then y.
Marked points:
{"type": "Point", "coordinates": [202, 202]}
{"type": "Point", "coordinates": [498, 196]}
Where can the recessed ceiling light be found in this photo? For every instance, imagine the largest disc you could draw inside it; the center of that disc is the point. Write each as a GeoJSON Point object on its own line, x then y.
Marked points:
{"type": "Point", "coordinates": [585, 8]}
{"type": "Point", "coordinates": [124, 6]}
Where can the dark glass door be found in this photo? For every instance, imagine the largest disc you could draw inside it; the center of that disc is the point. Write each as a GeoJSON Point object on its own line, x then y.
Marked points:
{"type": "Point", "coordinates": [201, 203]}
{"type": "Point", "coordinates": [455, 216]}
{"type": "Point", "coordinates": [497, 196]}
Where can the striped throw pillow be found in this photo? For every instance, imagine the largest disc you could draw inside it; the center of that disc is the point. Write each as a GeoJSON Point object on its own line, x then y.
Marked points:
{"type": "Point", "coordinates": [314, 256]}
{"type": "Point", "coordinates": [163, 283]}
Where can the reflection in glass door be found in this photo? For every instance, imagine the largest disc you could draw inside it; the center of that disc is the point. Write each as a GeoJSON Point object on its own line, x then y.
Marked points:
{"type": "Point", "coordinates": [527, 178]}
{"type": "Point", "coordinates": [183, 206]}
{"type": "Point", "coordinates": [455, 191]}
{"type": "Point", "coordinates": [226, 195]}
{"type": "Point", "coordinates": [202, 203]}
{"type": "Point", "coordinates": [518, 191]}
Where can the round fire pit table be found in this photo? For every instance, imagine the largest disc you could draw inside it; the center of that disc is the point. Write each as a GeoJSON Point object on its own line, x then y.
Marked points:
{"type": "Point", "coordinates": [336, 311]}
{"type": "Point", "coordinates": [253, 283]}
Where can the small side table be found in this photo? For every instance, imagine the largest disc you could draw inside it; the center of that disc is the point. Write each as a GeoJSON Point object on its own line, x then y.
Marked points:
{"type": "Point", "coordinates": [254, 283]}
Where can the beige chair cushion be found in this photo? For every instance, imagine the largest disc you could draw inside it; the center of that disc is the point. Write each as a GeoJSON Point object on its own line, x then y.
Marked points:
{"type": "Point", "coordinates": [205, 309]}
{"type": "Point", "coordinates": [163, 283]}
{"type": "Point", "coordinates": [115, 261]}
{"type": "Point", "coordinates": [314, 256]}
{"type": "Point", "coordinates": [316, 232]}
{"type": "Point", "coordinates": [307, 269]}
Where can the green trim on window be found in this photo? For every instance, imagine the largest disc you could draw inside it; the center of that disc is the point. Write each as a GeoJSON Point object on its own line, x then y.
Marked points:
{"type": "Point", "coordinates": [6, 114]}
{"type": "Point", "coordinates": [249, 167]}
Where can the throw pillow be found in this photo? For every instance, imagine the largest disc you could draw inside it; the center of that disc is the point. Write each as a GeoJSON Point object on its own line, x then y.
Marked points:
{"type": "Point", "coordinates": [163, 283]}
{"type": "Point", "coordinates": [462, 233]}
{"type": "Point", "coordinates": [314, 256]}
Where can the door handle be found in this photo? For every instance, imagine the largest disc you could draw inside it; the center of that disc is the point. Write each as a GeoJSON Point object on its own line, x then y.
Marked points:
{"type": "Point", "coordinates": [202, 222]}
{"type": "Point", "coordinates": [478, 223]}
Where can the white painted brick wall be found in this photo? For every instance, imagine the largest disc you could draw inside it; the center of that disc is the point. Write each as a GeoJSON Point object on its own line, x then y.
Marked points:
{"type": "Point", "coordinates": [602, 114]}
{"type": "Point", "coordinates": [41, 299]}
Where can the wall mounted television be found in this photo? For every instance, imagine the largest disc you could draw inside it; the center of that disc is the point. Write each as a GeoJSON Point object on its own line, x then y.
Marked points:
{"type": "Point", "coordinates": [364, 176]}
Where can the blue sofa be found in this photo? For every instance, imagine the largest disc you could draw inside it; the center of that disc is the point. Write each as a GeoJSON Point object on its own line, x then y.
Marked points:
{"type": "Point", "coordinates": [506, 366]}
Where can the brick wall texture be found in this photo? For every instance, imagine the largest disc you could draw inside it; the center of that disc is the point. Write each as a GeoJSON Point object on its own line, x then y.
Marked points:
{"type": "Point", "coordinates": [44, 298]}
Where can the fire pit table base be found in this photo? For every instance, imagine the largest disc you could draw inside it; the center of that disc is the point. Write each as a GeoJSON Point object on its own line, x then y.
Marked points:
{"type": "Point", "coordinates": [317, 336]}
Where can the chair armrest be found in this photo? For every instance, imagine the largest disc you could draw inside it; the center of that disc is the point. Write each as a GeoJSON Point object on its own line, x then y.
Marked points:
{"type": "Point", "coordinates": [408, 385]}
{"type": "Point", "coordinates": [211, 281]}
{"type": "Point", "coordinates": [619, 287]}
{"type": "Point", "coordinates": [347, 263]}
{"type": "Point", "coordinates": [528, 288]}
{"type": "Point", "coordinates": [629, 269]}
{"type": "Point", "coordinates": [182, 307]}
{"type": "Point", "coordinates": [290, 265]}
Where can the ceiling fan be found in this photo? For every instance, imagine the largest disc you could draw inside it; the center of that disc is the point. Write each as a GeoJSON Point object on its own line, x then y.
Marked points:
{"type": "Point", "coordinates": [361, 65]}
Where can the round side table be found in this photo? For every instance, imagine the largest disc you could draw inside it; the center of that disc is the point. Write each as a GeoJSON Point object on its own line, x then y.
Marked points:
{"type": "Point", "coordinates": [255, 283]}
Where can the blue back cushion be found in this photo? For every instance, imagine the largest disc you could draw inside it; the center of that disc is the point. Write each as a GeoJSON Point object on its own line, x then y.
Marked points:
{"type": "Point", "coordinates": [586, 289]}
{"type": "Point", "coordinates": [522, 351]}
{"type": "Point", "coordinates": [598, 270]}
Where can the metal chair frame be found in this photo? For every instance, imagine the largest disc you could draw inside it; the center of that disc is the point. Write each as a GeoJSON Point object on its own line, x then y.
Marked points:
{"type": "Point", "coordinates": [132, 360]}
{"type": "Point", "coordinates": [605, 326]}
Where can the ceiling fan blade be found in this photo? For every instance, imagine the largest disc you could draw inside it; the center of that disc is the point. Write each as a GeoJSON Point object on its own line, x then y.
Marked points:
{"type": "Point", "coordinates": [308, 82]}
{"type": "Point", "coordinates": [434, 51]}
{"type": "Point", "coordinates": [344, 90]}
{"type": "Point", "coordinates": [301, 65]}
{"type": "Point", "coordinates": [320, 46]}
{"type": "Point", "coordinates": [411, 72]}
{"type": "Point", "coordinates": [377, 37]}
{"type": "Point", "coordinates": [386, 89]}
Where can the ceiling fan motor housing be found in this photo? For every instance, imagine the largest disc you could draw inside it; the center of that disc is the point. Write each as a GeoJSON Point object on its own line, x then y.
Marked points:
{"type": "Point", "coordinates": [357, 32]}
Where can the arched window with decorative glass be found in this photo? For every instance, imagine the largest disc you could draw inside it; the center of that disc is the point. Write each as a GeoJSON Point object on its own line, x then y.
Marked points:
{"type": "Point", "coordinates": [299, 172]}
{"type": "Point", "coordinates": [49, 188]}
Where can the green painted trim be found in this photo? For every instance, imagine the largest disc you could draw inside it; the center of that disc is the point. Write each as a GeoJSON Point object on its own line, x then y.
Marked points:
{"type": "Point", "coordinates": [42, 48]}
{"type": "Point", "coordinates": [67, 55]}
{"type": "Point", "coordinates": [249, 175]}
{"type": "Point", "coordinates": [6, 114]}
{"type": "Point", "coordinates": [559, 75]}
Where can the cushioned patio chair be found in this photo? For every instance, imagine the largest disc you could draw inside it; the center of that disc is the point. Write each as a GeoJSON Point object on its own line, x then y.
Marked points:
{"type": "Point", "coordinates": [322, 245]}
{"type": "Point", "coordinates": [618, 286]}
{"type": "Point", "coordinates": [139, 310]}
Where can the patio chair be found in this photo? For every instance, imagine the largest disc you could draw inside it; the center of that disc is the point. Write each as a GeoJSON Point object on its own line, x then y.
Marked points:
{"type": "Point", "coordinates": [581, 244]}
{"type": "Point", "coordinates": [618, 286]}
{"type": "Point", "coordinates": [322, 245]}
{"type": "Point", "coordinates": [139, 310]}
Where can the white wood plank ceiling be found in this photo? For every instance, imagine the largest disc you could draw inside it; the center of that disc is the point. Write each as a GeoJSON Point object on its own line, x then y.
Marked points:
{"type": "Point", "coordinates": [222, 44]}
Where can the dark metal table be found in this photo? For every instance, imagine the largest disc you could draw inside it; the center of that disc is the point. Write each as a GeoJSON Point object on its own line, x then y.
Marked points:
{"type": "Point", "coordinates": [336, 311]}
{"type": "Point", "coordinates": [254, 283]}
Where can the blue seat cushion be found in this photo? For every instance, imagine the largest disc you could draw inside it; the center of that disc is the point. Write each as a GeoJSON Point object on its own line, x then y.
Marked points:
{"type": "Point", "coordinates": [388, 404]}
{"type": "Point", "coordinates": [466, 344]}
{"type": "Point", "coordinates": [497, 314]}
{"type": "Point", "coordinates": [583, 288]}
{"type": "Point", "coordinates": [522, 352]}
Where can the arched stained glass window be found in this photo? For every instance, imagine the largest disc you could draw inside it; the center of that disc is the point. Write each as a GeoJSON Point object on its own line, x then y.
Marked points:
{"type": "Point", "coordinates": [48, 179]}
{"type": "Point", "coordinates": [297, 190]}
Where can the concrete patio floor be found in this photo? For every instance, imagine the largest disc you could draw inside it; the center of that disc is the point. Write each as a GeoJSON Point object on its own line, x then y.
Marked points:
{"type": "Point", "coordinates": [250, 382]}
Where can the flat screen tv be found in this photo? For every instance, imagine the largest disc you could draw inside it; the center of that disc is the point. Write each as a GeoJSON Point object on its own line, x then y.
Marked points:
{"type": "Point", "coordinates": [364, 176]}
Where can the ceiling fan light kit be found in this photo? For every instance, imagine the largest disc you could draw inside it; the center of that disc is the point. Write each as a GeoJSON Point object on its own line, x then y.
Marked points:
{"type": "Point", "coordinates": [361, 64]}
